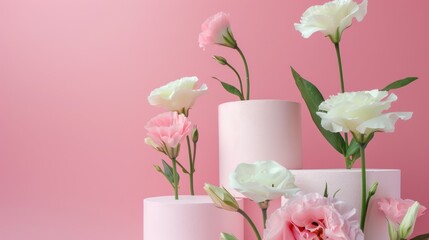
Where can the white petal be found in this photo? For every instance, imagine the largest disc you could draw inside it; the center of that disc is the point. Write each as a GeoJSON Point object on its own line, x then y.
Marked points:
{"type": "Point", "coordinates": [385, 122]}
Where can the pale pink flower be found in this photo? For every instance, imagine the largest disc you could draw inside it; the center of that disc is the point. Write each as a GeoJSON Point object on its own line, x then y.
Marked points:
{"type": "Point", "coordinates": [216, 30]}
{"type": "Point", "coordinates": [395, 209]}
{"type": "Point", "coordinates": [312, 216]}
{"type": "Point", "coordinates": [166, 131]}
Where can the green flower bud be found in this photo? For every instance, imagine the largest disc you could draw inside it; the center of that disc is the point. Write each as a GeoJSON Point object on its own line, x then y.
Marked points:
{"type": "Point", "coordinates": [195, 135]}
{"type": "Point", "coordinates": [157, 168]}
{"type": "Point", "coordinates": [222, 198]}
{"type": "Point", "coordinates": [220, 60]}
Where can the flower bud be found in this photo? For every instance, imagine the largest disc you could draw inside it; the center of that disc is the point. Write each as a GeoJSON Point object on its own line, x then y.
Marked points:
{"type": "Point", "coordinates": [373, 189]}
{"type": "Point", "coordinates": [220, 60]}
{"type": "Point", "coordinates": [157, 168]}
{"type": "Point", "coordinates": [227, 236]}
{"type": "Point", "coordinates": [149, 141]}
{"type": "Point", "coordinates": [195, 135]}
{"type": "Point", "coordinates": [407, 225]}
{"type": "Point", "coordinates": [222, 198]}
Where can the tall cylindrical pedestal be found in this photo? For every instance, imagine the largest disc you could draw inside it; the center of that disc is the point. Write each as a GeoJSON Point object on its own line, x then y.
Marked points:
{"type": "Point", "coordinates": [257, 130]}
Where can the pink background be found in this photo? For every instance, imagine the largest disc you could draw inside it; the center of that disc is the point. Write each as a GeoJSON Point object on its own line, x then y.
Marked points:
{"type": "Point", "coordinates": [75, 74]}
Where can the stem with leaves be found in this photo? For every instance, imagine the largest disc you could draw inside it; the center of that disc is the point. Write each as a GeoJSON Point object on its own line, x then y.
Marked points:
{"type": "Point", "coordinates": [348, 162]}
{"type": "Point", "coordinates": [247, 73]}
{"type": "Point", "coordinates": [175, 179]}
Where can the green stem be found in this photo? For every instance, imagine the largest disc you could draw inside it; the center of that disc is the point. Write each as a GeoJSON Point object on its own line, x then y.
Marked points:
{"type": "Point", "coordinates": [238, 76]}
{"type": "Point", "coordinates": [340, 67]}
{"type": "Point", "coordinates": [193, 157]}
{"type": "Point", "coordinates": [191, 167]}
{"type": "Point", "coordinates": [175, 179]}
{"type": "Point", "coordinates": [247, 73]}
{"type": "Point", "coordinates": [264, 216]}
{"type": "Point", "coordinates": [255, 230]}
{"type": "Point", "coordinates": [364, 200]}
{"type": "Point", "coordinates": [182, 167]}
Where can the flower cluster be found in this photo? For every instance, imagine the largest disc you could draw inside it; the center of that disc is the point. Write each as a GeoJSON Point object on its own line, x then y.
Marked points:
{"type": "Point", "coordinates": [360, 113]}
{"type": "Point", "coordinates": [167, 130]}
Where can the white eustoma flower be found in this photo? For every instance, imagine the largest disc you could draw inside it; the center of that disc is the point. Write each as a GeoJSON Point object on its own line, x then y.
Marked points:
{"type": "Point", "coordinates": [263, 180]}
{"type": "Point", "coordinates": [178, 95]}
{"type": "Point", "coordinates": [360, 112]}
{"type": "Point", "coordinates": [331, 18]}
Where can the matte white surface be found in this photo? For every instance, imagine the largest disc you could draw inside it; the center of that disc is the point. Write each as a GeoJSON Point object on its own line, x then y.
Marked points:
{"type": "Point", "coordinates": [257, 130]}
{"type": "Point", "coordinates": [189, 218]}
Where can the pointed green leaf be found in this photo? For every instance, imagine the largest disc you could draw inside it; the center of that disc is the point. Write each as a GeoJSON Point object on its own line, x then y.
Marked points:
{"type": "Point", "coordinates": [313, 98]}
{"type": "Point", "coordinates": [335, 193]}
{"type": "Point", "coordinates": [421, 237]}
{"type": "Point", "coordinates": [400, 83]}
{"type": "Point", "coordinates": [227, 236]}
{"type": "Point", "coordinates": [325, 192]}
{"type": "Point", "coordinates": [231, 89]}
{"type": "Point", "coordinates": [168, 171]}
{"type": "Point", "coordinates": [353, 148]}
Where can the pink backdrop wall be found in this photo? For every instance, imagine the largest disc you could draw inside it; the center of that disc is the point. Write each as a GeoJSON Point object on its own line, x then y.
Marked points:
{"type": "Point", "coordinates": [75, 74]}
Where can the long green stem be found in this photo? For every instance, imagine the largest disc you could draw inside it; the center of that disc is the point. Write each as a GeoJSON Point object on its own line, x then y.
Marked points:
{"type": "Point", "coordinates": [255, 230]}
{"type": "Point", "coordinates": [238, 76]}
{"type": "Point", "coordinates": [340, 67]}
{"type": "Point", "coordinates": [175, 179]}
{"type": "Point", "coordinates": [191, 167]}
{"type": "Point", "coordinates": [247, 73]}
{"type": "Point", "coordinates": [364, 200]}
{"type": "Point", "coordinates": [264, 217]}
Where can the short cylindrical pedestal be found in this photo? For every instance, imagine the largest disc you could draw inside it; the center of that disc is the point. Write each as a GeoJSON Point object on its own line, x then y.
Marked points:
{"type": "Point", "coordinates": [348, 182]}
{"type": "Point", "coordinates": [189, 218]}
{"type": "Point", "coordinates": [258, 130]}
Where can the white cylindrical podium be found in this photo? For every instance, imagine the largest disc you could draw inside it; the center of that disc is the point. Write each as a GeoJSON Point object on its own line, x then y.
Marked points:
{"type": "Point", "coordinates": [189, 218]}
{"type": "Point", "coordinates": [258, 130]}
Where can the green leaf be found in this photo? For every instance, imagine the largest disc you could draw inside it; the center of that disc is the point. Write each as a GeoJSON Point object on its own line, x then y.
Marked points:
{"type": "Point", "coordinates": [325, 192]}
{"type": "Point", "coordinates": [400, 83]}
{"type": "Point", "coordinates": [231, 89]}
{"type": "Point", "coordinates": [421, 237]}
{"type": "Point", "coordinates": [353, 148]}
{"type": "Point", "coordinates": [313, 98]}
{"type": "Point", "coordinates": [335, 193]}
{"type": "Point", "coordinates": [227, 236]}
{"type": "Point", "coordinates": [168, 172]}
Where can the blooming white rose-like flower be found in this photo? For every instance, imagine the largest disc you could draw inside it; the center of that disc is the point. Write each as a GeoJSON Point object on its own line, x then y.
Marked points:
{"type": "Point", "coordinates": [178, 95]}
{"type": "Point", "coordinates": [360, 112]}
{"type": "Point", "coordinates": [263, 180]}
{"type": "Point", "coordinates": [331, 18]}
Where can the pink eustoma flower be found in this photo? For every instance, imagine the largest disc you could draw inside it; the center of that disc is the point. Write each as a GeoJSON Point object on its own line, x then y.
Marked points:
{"type": "Point", "coordinates": [312, 216]}
{"type": "Point", "coordinates": [395, 209]}
{"type": "Point", "coordinates": [216, 30]}
{"type": "Point", "coordinates": [167, 130]}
